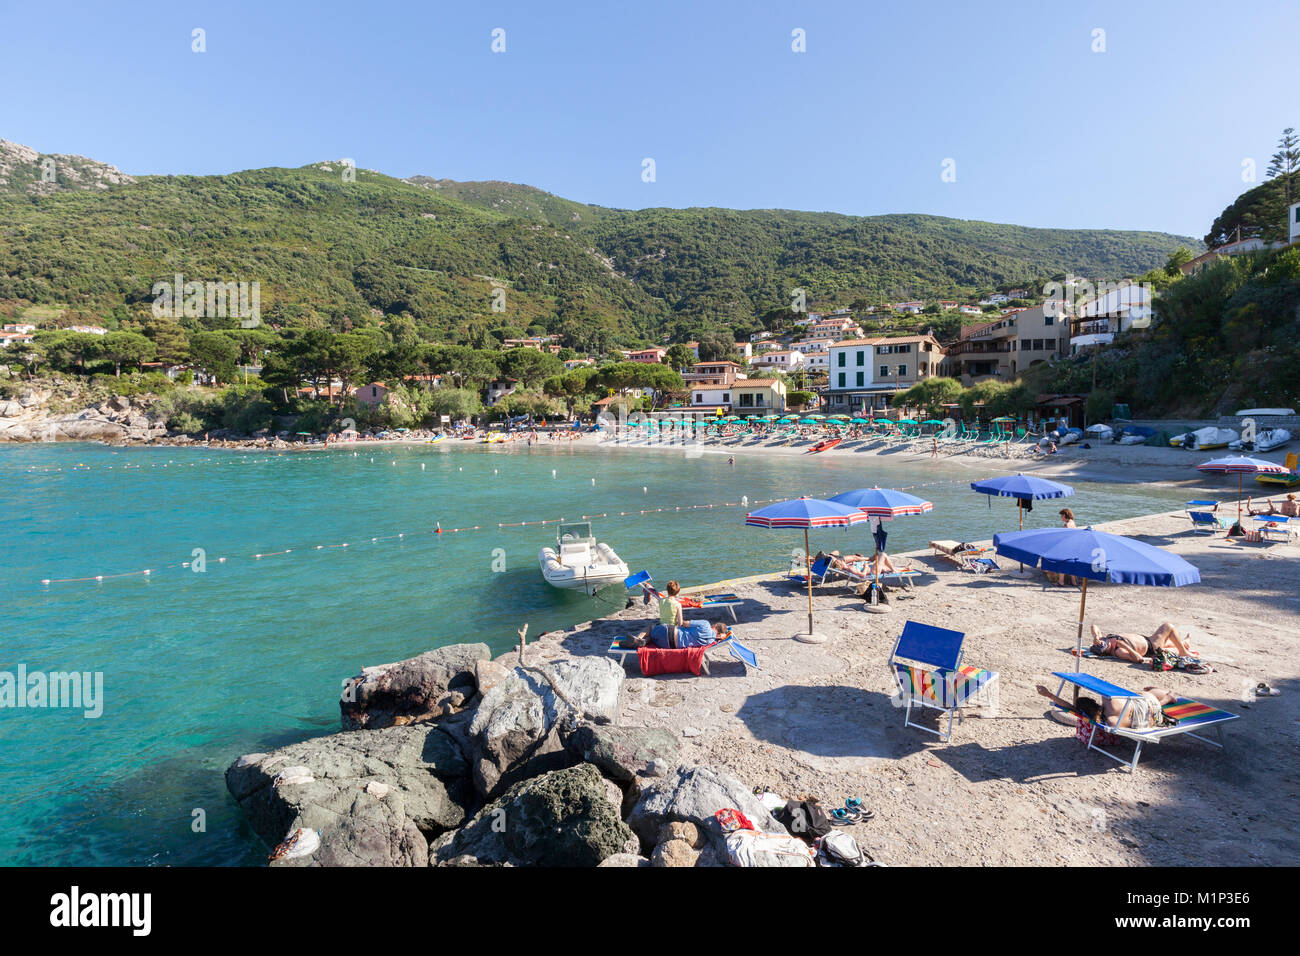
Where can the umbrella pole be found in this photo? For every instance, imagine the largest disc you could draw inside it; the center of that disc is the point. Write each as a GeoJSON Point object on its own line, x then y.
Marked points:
{"type": "Point", "coordinates": [807, 555]}
{"type": "Point", "coordinates": [1020, 512]}
{"type": "Point", "coordinates": [1078, 657]}
{"type": "Point", "coordinates": [1239, 474]}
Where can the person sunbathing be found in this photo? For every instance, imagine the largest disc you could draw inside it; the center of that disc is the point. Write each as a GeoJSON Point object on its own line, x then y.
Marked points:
{"type": "Point", "coordinates": [1290, 508]}
{"type": "Point", "coordinates": [690, 634]}
{"type": "Point", "coordinates": [1137, 649]}
{"type": "Point", "coordinates": [1138, 713]}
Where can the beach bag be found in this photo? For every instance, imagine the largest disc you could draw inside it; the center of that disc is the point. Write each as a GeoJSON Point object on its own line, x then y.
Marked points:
{"type": "Point", "coordinates": [874, 594]}
{"type": "Point", "coordinates": [840, 849]}
{"type": "Point", "coordinates": [1162, 660]}
{"type": "Point", "coordinates": [804, 819]}
{"type": "Point", "coordinates": [751, 848]}
{"type": "Point", "coordinates": [1083, 731]}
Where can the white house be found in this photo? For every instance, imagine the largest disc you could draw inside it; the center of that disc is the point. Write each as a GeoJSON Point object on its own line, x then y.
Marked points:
{"type": "Point", "coordinates": [1293, 221]}
{"type": "Point", "coordinates": [817, 361]}
{"type": "Point", "coordinates": [786, 360]}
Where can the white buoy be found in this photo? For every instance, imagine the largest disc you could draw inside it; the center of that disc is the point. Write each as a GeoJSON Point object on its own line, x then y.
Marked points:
{"type": "Point", "coordinates": [372, 461]}
{"type": "Point", "coordinates": [494, 471]}
{"type": "Point", "coordinates": [422, 466]}
{"type": "Point", "coordinates": [645, 490]}
{"type": "Point", "coordinates": [744, 499]}
{"type": "Point", "coordinates": [593, 481]}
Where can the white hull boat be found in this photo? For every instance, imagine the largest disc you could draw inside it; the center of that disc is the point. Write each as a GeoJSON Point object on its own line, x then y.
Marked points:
{"type": "Point", "coordinates": [579, 561]}
{"type": "Point", "coordinates": [1266, 439]}
{"type": "Point", "coordinates": [1202, 438]}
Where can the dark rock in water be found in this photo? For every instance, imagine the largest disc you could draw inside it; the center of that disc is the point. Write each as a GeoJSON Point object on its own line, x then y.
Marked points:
{"type": "Point", "coordinates": [515, 732]}
{"type": "Point", "coordinates": [417, 689]}
{"type": "Point", "coordinates": [694, 795]}
{"type": "Point", "coordinates": [376, 797]}
{"type": "Point", "coordinates": [623, 753]}
{"type": "Point", "coordinates": [562, 818]}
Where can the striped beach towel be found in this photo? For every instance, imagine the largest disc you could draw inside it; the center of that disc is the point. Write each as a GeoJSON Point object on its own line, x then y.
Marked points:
{"type": "Point", "coordinates": [1186, 712]}
{"type": "Point", "coordinates": [930, 685]}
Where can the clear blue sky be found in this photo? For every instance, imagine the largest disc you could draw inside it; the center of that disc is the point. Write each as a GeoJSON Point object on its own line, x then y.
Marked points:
{"type": "Point", "coordinates": [1150, 134]}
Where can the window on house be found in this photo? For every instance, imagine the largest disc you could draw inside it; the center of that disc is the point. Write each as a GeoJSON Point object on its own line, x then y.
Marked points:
{"type": "Point", "coordinates": [1049, 319]}
{"type": "Point", "coordinates": [726, 398]}
{"type": "Point", "coordinates": [902, 371]}
{"type": "Point", "coordinates": [902, 349]}
{"type": "Point", "coordinates": [884, 371]}
{"type": "Point", "coordinates": [860, 381]}
{"type": "Point", "coordinates": [861, 359]}
{"type": "Point", "coordinates": [699, 399]}
{"type": "Point", "coordinates": [841, 379]}
{"type": "Point", "coordinates": [841, 356]}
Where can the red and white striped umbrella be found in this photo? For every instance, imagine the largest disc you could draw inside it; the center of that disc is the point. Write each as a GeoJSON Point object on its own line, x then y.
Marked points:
{"type": "Point", "coordinates": [1240, 465]}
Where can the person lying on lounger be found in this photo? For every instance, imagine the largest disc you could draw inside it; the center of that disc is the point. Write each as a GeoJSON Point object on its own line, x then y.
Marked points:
{"type": "Point", "coordinates": [1143, 713]}
{"type": "Point", "coordinates": [690, 634]}
{"type": "Point", "coordinates": [1137, 649]}
{"type": "Point", "coordinates": [1290, 508]}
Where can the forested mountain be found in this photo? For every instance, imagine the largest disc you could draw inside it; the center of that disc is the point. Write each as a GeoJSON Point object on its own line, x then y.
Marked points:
{"type": "Point", "coordinates": [339, 250]}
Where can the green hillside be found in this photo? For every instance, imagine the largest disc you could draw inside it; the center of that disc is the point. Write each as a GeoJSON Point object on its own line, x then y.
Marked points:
{"type": "Point", "coordinates": [330, 253]}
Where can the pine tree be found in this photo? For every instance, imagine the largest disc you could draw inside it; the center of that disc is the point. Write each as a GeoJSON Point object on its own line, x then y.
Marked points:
{"type": "Point", "coordinates": [1286, 162]}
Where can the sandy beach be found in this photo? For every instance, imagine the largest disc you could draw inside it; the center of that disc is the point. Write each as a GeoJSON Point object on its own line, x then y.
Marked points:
{"type": "Point", "coordinates": [1012, 787]}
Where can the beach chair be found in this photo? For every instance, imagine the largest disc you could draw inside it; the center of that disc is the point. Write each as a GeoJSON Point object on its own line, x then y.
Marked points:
{"type": "Point", "coordinates": [708, 602]}
{"type": "Point", "coordinates": [730, 644]}
{"type": "Point", "coordinates": [1205, 522]}
{"type": "Point", "coordinates": [1188, 715]}
{"type": "Point", "coordinates": [978, 560]}
{"type": "Point", "coordinates": [927, 667]}
{"type": "Point", "coordinates": [820, 568]}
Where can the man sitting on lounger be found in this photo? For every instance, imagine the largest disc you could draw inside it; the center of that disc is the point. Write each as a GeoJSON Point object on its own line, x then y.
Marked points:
{"type": "Point", "coordinates": [1137, 649]}
{"type": "Point", "coordinates": [1143, 713]}
{"type": "Point", "coordinates": [690, 634]}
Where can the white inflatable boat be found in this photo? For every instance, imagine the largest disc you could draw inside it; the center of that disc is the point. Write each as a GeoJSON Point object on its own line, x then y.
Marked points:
{"type": "Point", "coordinates": [1266, 439]}
{"type": "Point", "coordinates": [578, 560]}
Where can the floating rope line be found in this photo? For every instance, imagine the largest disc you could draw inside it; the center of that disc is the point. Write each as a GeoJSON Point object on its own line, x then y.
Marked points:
{"type": "Point", "coordinates": [439, 530]}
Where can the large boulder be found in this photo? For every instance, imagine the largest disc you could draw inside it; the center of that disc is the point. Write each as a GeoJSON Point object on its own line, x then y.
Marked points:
{"type": "Point", "coordinates": [694, 795]}
{"type": "Point", "coordinates": [623, 753]}
{"type": "Point", "coordinates": [418, 689]}
{"type": "Point", "coordinates": [562, 818]}
{"type": "Point", "coordinates": [376, 797]}
{"type": "Point", "coordinates": [515, 732]}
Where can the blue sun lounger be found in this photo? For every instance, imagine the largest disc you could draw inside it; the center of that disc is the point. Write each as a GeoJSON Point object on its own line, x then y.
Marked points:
{"type": "Point", "coordinates": [1206, 522]}
{"type": "Point", "coordinates": [927, 669]}
{"type": "Point", "coordinates": [708, 602]}
{"type": "Point", "coordinates": [738, 650]}
{"type": "Point", "coordinates": [1187, 715]}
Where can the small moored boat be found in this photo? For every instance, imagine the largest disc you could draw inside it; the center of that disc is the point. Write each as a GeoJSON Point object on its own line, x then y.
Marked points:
{"type": "Point", "coordinates": [578, 560]}
{"type": "Point", "coordinates": [1266, 439]}
{"type": "Point", "coordinates": [826, 445]}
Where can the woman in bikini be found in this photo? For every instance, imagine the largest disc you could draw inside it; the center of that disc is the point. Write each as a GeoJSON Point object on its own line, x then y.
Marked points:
{"type": "Point", "coordinates": [1137, 649]}
{"type": "Point", "coordinates": [1138, 713]}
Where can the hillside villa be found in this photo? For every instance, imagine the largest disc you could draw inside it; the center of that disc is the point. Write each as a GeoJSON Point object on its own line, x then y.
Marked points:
{"type": "Point", "coordinates": [866, 373]}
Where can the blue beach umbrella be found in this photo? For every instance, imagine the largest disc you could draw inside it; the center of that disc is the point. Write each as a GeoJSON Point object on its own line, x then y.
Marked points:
{"type": "Point", "coordinates": [806, 513]}
{"type": "Point", "coordinates": [1023, 488]}
{"type": "Point", "coordinates": [1095, 556]}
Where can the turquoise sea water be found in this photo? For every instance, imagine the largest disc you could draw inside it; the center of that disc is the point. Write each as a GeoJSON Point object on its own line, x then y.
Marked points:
{"type": "Point", "coordinates": [249, 655]}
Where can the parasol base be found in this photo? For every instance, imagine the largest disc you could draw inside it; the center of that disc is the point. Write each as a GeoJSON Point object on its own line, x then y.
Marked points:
{"type": "Point", "coordinates": [1021, 573]}
{"type": "Point", "coordinates": [1062, 716]}
{"type": "Point", "coordinates": [805, 637]}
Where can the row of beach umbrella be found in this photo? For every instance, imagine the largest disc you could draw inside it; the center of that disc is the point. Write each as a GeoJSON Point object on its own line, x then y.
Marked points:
{"type": "Point", "coordinates": [1082, 553]}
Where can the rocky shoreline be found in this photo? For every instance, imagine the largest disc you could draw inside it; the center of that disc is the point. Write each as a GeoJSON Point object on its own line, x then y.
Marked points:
{"type": "Point", "coordinates": [452, 758]}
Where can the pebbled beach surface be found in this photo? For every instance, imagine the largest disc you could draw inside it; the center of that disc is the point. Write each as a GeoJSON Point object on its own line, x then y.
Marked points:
{"type": "Point", "coordinates": [1012, 787]}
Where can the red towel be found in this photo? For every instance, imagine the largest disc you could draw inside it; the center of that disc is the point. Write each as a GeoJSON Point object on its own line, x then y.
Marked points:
{"type": "Point", "coordinates": [658, 660]}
